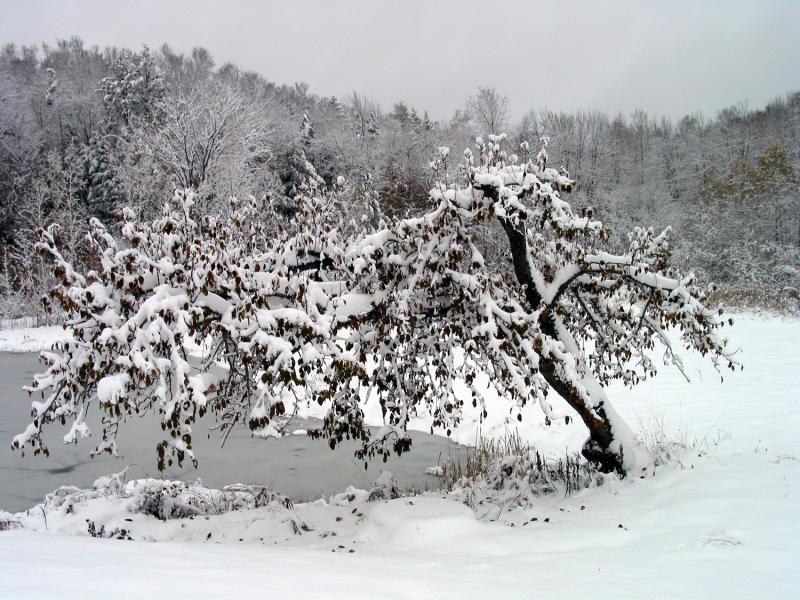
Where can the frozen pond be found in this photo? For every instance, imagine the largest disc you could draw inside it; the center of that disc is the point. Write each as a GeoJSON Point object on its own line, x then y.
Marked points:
{"type": "Point", "coordinates": [295, 465]}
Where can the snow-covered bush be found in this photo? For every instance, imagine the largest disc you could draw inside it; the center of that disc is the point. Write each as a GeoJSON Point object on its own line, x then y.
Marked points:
{"type": "Point", "coordinates": [238, 313]}
{"type": "Point", "coordinates": [383, 488]}
{"type": "Point", "coordinates": [164, 500]}
{"type": "Point", "coordinates": [177, 500]}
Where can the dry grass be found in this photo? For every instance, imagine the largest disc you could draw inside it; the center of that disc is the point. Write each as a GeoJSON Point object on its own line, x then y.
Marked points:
{"type": "Point", "coordinates": [508, 471]}
{"type": "Point", "coordinates": [8, 524]}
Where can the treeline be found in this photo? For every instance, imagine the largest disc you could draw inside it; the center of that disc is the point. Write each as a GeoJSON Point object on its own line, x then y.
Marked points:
{"type": "Point", "coordinates": [85, 131]}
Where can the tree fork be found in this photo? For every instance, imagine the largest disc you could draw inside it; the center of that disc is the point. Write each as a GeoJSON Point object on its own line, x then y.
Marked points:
{"type": "Point", "coordinates": [597, 448]}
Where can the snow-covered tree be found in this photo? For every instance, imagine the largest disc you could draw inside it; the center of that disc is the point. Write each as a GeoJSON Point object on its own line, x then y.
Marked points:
{"type": "Point", "coordinates": [237, 314]}
{"type": "Point", "coordinates": [489, 109]}
{"type": "Point", "coordinates": [213, 140]}
{"type": "Point", "coordinates": [306, 130]}
{"type": "Point", "coordinates": [745, 226]}
{"type": "Point", "coordinates": [135, 90]}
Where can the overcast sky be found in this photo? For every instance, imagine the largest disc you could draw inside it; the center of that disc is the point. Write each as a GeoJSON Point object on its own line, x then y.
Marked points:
{"type": "Point", "coordinates": [671, 58]}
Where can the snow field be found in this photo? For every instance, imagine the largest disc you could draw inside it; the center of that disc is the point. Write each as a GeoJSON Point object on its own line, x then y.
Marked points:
{"type": "Point", "coordinates": [718, 521]}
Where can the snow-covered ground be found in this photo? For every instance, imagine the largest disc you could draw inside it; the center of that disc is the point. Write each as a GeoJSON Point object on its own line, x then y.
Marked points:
{"type": "Point", "coordinates": [30, 339]}
{"type": "Point", "coordinates": [720, 521]}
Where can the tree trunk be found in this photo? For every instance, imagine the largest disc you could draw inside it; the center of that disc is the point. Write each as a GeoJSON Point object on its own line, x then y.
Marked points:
{"type": "Point", "coordinates": [602, 448]}
{"type": "Point", "coordinates": [598, 448]}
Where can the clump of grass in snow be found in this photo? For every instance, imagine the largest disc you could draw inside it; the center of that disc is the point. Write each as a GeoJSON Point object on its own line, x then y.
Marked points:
{"type": "Point", "coordinates": [508, 472]}
{"type": "Point", "coordinates": [674, 448]}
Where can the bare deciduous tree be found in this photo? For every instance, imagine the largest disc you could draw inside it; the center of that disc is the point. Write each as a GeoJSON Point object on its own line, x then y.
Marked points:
{"type": "Point", "coordinates": [489, 108]}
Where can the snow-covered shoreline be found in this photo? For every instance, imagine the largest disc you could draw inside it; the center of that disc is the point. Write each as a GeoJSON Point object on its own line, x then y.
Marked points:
{"type": "Point", "coordinates": [30, 339]}
{"type": "Point", "coordinates": [718, 521]}
{"type": "Point", "coordinates": [716, 528]}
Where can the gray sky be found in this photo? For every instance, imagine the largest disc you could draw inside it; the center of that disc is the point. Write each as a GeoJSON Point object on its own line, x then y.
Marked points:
{"type": "Point", "coordinates": [665, 57]}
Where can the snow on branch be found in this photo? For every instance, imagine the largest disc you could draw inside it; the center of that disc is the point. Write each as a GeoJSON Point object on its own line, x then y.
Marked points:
{"type": "Point", "coordinates": [242, 313]}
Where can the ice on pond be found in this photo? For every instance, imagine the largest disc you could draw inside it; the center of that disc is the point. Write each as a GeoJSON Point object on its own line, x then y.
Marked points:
{"type": "Point", "coordinates": [295, 465]}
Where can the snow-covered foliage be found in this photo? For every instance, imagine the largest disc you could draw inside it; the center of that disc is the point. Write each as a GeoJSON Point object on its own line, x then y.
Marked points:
{"type": "Point", "coordinates": [125, 509]}
{"type": "Point", "coordinates": [306, 129]}
{"type": "Point", "coordinates": [236, 314]}
{"type": "Point", "coordinates": [135, 89]}
{"type": "Point", "coordinates": [112, 498]}
{"type": "Point", "coordinates": [746, 225]}
{"type": "Point", "coordinates": [124, 127]}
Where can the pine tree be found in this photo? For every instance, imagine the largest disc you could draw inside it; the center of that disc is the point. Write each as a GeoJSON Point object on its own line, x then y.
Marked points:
{"type": "Point", "coordinates": [135, 89]}
{"type": "Point", "coordinates": [306, 130]}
